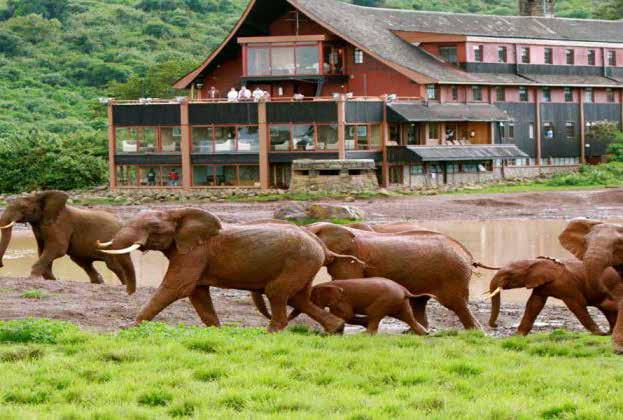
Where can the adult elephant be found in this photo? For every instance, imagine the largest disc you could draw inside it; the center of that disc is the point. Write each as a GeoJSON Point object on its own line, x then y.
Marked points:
{"type": "Point", "coordinates": [599, 245]}
{"type": "Point", "coordinates": [424, 262]}
{"type": "Point", "coordinates": [565, 280]}
{"type": "Point", "coordinates": [64, 230]}
{"type": "Point", "coordinates": [396, 227]}
{"type": "Point", "coordinates": [278, 260]}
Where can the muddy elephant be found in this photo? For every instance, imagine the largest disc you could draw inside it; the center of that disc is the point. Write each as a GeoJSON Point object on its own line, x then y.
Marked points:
{"type": "Point", "coordinates": [396, 227]}
{"type": "Point", "coordinates": [424, 262]}
{"type": "Point", "coordinates": [277, 260]}
{"type": "Point", "coordinates": [565, 280]}
{"type": "Point", "coordinates": [599, 245]}
{"type": "Point", "coordinates": [64, 230]}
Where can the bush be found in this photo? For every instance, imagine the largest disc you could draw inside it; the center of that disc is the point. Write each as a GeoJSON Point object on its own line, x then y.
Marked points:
{"type": "Point", "coordinates": [32, 330]}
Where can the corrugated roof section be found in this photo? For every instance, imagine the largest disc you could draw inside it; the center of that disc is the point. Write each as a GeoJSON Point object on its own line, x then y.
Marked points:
{"type": "Point", "coordinates": [466, 153]}
{"type": "Point", "coordinates": [450, 112]}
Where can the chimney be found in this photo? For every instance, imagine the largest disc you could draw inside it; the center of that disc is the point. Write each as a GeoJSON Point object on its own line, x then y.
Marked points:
{"type": "Point", "coordinates": [538, 8]}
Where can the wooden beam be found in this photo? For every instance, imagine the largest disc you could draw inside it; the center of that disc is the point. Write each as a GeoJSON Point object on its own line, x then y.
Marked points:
{"type": "Point", "coordinates": [292, 38]}
{"type": "Point", "coordinates": [186, 145]}
{"type": "Point", "coordinates": [341, 128]}
{"type": "Point", "coordinates": [582, 129]}
{"type": "Point", "coordinates": [264, 145]}
{"type": "Point", "coordinates": [621, 99]}
{"type": "Point", "coordinates": [538, 128]}
{"type": "Point", "coordinates": [112, 170]}
{"type": "Point", "coordinates": [385, 140]}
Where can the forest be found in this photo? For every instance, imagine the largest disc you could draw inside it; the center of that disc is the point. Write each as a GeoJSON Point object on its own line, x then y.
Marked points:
{"type": "Point", "coordinates": [58, 56]}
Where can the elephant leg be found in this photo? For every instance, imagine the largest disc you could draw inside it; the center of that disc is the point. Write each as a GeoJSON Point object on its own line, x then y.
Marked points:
{"type": "Point", "coordinates": [125, 262]}
{"type": "Point", "coordinates": [279, 310]}
{"type": "Point", "coordinates": [44, 263]}
{"type": "Point", "coordinates": [48, 274]}
{"type": "Point", "coordinates": [611, 316]}
{"type": "Point", "coordinates": [329, 322]}
{"type": "Point", "coordinates": [373, 325]}
{"type": "Point", "coordinates": [418, 306]}
{"type": "Point", "coordinates": [87, 266]}
{"type": "Point", "coordinates": [583, 316]}
{"type": "Point", "coordinates": [459, 306]}
{"type": "Point", "coordinates": [359, 320]}
{"type": "Point", "coordinates": [406, 316]}
{"type": "Point", "coordinates": [202, 302]}
{"type": "Point", "coordinates": [533, 309]}
{"type": "Point", "coordinates": [116, 268]}
{"type": "Point", "coordinates": [617, 333]}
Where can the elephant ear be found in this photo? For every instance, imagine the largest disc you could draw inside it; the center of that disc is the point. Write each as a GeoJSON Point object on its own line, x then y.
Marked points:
{"type": "Point", "coordinates": [338, 239]}
{"type": "Point", "coordinates": [52, 203]}
{"type": "Point", "coordinates": [330, 294]}
{"type": "Point", "coordinates": [544, 270]}
{"type": "Point", "coordinates": [573, 238]}
{"type": "Point", "coordinates": [194, 227]}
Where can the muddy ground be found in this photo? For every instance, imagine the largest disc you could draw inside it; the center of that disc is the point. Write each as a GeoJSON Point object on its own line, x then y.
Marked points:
{"type": "Point", "coordinates": [106, 308]}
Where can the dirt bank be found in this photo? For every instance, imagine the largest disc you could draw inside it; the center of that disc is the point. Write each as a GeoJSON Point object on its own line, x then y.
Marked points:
{"type": "Point", "coordinates": [104, 308]}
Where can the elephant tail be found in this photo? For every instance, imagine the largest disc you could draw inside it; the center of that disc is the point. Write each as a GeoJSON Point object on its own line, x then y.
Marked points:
{"type": "Point", "coordinates": [331, 256]}
{"type": "Point", "coordinates": [260, 304]}
{"type": "Point", "coordinates": [486, 267]}
{"type": "Point", "coordinates": [420, 295]}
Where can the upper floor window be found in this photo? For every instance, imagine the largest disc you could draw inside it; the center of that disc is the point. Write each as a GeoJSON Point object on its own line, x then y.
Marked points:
{"type": "Point", "coordinates": [149, 140]}
{"type": "Point", "coordinates": [500, 94]}
{"type": "Point", "coordinates": [570, 56]}
{"type": "Point", "coordinates": [591, 58]}
{"type": "Point", "coordinates": [547, 94]}
{"type": "Point", "coordinates": [502, 54]}
{"type": "Point", "coordinates": [610, 95]}
{"type": "Point", "coordinates": [589, 95]}
{"type": "Point", "coordinates": [568, 94]}
{"type": "Point", "coordinates": [478, 53]}
{"type": "Point", "coordinates": [223, 139]}
{"type": "Point", "coordinates": [548, 130]}
{"type": "Point", "coordinates": [358, 56]}
{"type": "Point", "coordinates": [523, 94]}
{"type": "Point", "coordinates": [449, 54]}
{"type": "Point", "coordinates": [362, 137]}
{"type": "Point", "coordinates": [283, 59]}
{"type": "Point", "coordinates": [570, 129]}
{"type": "Point", "coordinates": [432, 92]}
{"type": "Point", "coordinates": [525, 55]}
{"type": "Point", "coordinates": [333, 59]}
{"type": "Point", "coordinates": [477, 93]}
{"type": "Point", "coordinates": [549, 56]}
{"type": "Point", "coordinates": [612, 58]}
{"type": "Point", "coordinates": [455, 93]}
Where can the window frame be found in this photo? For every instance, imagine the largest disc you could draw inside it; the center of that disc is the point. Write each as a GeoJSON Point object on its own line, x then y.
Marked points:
{"type": "Point", "coordinates": [589, 95]}
{"type": "Point", "coordinates": [548, 56]}
{"type": "Point", "coordinates": [610, 96]}
{"type": "Point", "coordinates": [369, 131]}
{"type": "Point", "coordinates": [445, 56]}
{"type": "Point", "coordinates": [570, 56]}
{"type": "Point", "coordinates": [161, 169]}
{"type": "Point", "coordinates": [208, 165]}
{"type": "Point", "coordinates": [282, 45]}
{"type": "Point", "coordinates": [477, 88]}
{"type": "Point", "coordinates": [500, 94]}
{"type": "Point", "coordinates": [434, 89]}
{"type": "Point", "coordinates": [157, 139]}
{"type": "Point", "coordinates": [546, 94]}
{"type": "Point", "coordinates": [525, 55]}
{"type": "Point", "coordinates": [291, 148]}
{"type": "Point", "coordinates": [568, 94]}
{"type": "Point", "coordinates": [358, 56]}
{"type": "Point", "coordinates": [611, 58]}
{"type": "Point", "coordinates": [549, 124]}
{"type": "Point", "coordinates": [213, 142]}
{"type": "Point", "coordinates": [521, 91]}
{"type": "Point", "coordinates": [591, 57]}
{"type": "Point", "coordinates": [479, 53]}
{"type": "Point", "coordinates": [454, 93]}
{"type": "Point", "coordinates": [502, 54]}
{"type": "Point", "coordinates": [570, 125]}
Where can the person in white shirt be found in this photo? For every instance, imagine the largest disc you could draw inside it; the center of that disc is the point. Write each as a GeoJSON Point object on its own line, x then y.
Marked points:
{"type": "Point", "coordinates": [244, 94]}
{"type": "Point", "coordinates": [232, 96]}
{"type": "Point", "coordinates": [258, 94]}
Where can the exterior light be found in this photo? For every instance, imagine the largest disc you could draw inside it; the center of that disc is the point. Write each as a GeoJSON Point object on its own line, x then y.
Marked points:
{"type": "Point", "coordinates": [180, 99]}
{"type": "Point", "coordinates": [104, 101]}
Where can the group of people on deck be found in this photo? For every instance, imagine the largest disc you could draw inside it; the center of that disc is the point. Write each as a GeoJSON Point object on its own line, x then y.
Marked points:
{"type": "Point", "coordinates": [242, 95]}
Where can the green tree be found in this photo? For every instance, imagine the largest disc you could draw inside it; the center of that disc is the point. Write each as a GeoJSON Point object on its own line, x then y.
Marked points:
{"type": "Point", "coordinates": [10, 44]}
{"type": "Point", "coordinates": [49, 9]}
{"type": "Point", "coordinates": [156, 83]}
{"type": "Point", "coordinates": [612, 9]}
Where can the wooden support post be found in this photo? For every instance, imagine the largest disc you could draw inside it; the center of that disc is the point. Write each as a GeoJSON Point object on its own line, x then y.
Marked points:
{"type": "Point", "coordinates": [185, 146]}
{"type": "Point", "coordinates": [112, 170]}
{"type": "Point", "coordinates": [492, 132]}
{"type": "Point", "coordinates": [582, 129]}
{"type": "Point", "coordinates": [341, 128]}
{"type": "Point", "coordinates": [264, 145]}
{"type": "Point", "coordinates": [385, 140]}
{"type": "Point", "coordinates": [621, 104]}
{"type": "Point", "coordinates": [538, 128]}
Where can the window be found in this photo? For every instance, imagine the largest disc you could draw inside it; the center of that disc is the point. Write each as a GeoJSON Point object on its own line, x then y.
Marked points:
{"type": "Point", "coordinates": [612, 58]}
{"type": "Point", "coordinates": [363, 137]}
{"type": "Point", "coordinates": [127, 176]}
{"type": "Point", "coordinates": [568, 94]}
{"type": "Point", "coordinates": [283, 59]}
{"type": "Point", "coordinates": [477, 93]}
{"type": "Point", "coordinates": [549, 56]}
{"type": "Point", "coordinates": [136, 140]}
{"type": "Point", "coordinates": [610, 95]}
{"type": "Point", "coordinates": [478, 53]}
{"type": "Point", "coordinates": [525, 55]}
{"type": "Point", "coordinates": [570, 56]}
{"type": "Point", "coordinates": [280, 138]}
{"type": "Point", "coordinates": [548, 131]}
{"type": "Point", "coordinates": [432, 92]}
{"type": "Point", "coordinates": [258, 61]}
{"type": "Point", "coordinates": [523, 94]}
{"type": "Point", "coordinates": [358, 56]}
{"type": "Point", "coordinates": [226, 175]}
{"type": "Point", "coordinates": [149, 176]}
{"type": "Point", "coordinates": [333, 60]}
{"type": "Point", "coordinates": [327, 137]}
{"type": "Point", "coordinates": [433, 131]}
{"type": "Point", "coordinates": [396, 175]}
{"type": "Point", "coordinates": [570, 129]}
{"type": "Point", "coordinates": [303, 137]}
{"type": "Point", "coordinates": [449, 54]}
{"type": "Point", "coordinates": [224, 139]}
{"type": "Point", "coordinates": [502, 55]}
{"type": "Point", "coordinates": [531, 131]}
{"type": "Point", "coordinates": [591, 58]}
{"type": "Point", "coordinates": [455, 93]}
{"type": "Point", "coordinates": [248, 139]}
{"type": "Point", "coordinates": [510, 133]}
{"type": "Point", "coordinates": [307, 60]}
{"type": "Point", "coordinates": [547, 94]}
{"type": "Point", "coordinates": [500, 94]}
{"type": "Point", "coordinates": [589, 95]}
{"type": "Point", "coordinates": [171, 139]}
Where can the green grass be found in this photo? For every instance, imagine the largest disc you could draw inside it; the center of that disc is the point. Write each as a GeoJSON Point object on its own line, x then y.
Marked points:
{"type": "Point", "coordinates": [34, 294]}
{"type": "Point", "coordinates": [157, 371]}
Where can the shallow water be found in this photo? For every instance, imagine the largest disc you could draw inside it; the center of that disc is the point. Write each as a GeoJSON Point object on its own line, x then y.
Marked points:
{"type": "Point", "coordinates": [494, 242]}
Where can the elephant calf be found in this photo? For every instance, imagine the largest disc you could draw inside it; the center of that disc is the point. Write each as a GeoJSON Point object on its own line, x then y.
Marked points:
{"type": "Point", "coordinates": [566, 280]}
{"type": "Point", "coordinates": [366, 302]}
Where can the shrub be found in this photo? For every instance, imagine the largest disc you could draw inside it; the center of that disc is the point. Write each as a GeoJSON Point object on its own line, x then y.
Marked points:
{"type": "Point", "coordinates": [34, 331]}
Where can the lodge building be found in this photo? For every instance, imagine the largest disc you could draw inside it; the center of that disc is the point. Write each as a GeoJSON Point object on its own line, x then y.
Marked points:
{"type": "Point", "coordinates": [431, 97]}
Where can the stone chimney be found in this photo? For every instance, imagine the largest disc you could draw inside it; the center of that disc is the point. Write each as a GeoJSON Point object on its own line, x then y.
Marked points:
{"type": "Point", "coordinates": [539, 8]}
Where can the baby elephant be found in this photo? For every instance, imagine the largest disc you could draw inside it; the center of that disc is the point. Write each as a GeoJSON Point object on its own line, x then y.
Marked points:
{"type": "Point", "coordinates": [565, 280]}
{"type": "Point", "coordinates": [366, 302]}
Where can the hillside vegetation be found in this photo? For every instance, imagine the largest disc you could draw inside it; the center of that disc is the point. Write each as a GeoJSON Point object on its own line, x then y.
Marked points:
{"type": "Point", "coordinates": [58, 56]}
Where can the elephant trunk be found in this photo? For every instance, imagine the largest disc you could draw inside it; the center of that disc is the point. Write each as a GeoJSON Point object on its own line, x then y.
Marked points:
{"type": "Point", "coordinates": [495, 289]}
{"type": "Point", "coordinates": [4, 242]}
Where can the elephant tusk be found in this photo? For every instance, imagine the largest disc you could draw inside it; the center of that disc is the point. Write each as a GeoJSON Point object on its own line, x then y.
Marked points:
{"type": "Point", "coordinates": [10, 225]}
{"type": "Point", "coordinates": [122, 251]}
{"type": "Point", "coordinates": [488, 295]}
{"type": "Point", "coordinates": [104, 244]}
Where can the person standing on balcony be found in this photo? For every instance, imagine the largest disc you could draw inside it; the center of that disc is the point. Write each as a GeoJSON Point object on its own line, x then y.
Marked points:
{"type": "Point", "coordinates": [151, 177]}
{"type": "Point", "coordinates": [244, 94]}
{"type": "Point", "coordinates": [258, 94]}
{"type": "Point", "coordinates": [232, 96]}
{"type": "Point", "coordinates": [174, 178]}
{"type": "Point", "coordinates": [213, 93]}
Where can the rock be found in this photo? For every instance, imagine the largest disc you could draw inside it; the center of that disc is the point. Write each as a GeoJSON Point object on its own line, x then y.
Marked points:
{"type": "Point", "coordinates": [329, 211]}
{"type": "Point", "coordinates": [293, 211]}
{"type": "Point", "coordinates": [349, 199]}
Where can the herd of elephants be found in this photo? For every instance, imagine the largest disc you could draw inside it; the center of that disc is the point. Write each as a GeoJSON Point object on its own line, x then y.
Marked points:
{"type": "Point", "coordinates": [378, 270]}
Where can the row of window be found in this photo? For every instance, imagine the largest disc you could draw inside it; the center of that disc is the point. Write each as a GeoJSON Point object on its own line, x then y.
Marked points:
{"type": "Point", "coordinates": [525, 55]}
{"type": "Point", "coordinates": [245, 139]}
{"type": "Point", "coordinates": [507, 130]}
{"type": "Point", "coordinates": [202, 176]}
{"type": "Point", "coordinates": [432, 93]}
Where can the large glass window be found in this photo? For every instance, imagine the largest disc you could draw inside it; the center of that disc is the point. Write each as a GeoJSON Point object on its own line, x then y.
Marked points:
{"type": "Point", "coordinates": [224, 139]}
{"type": "Point", "coordinates": [282, 60]}
{"type": "Point", "coordinates": [171, 139]}
{"type": "Point", "coordinates": [286, 59]}
{"type": "Point", "coordinates": [136, 140]}
{"type": "Point", "coordinates": [202, 138]}
{"type": "Point", "coordinates": [127, 176]}
{"type": "Point", "coordinates": [280, 138]}
{"type": "Point", "coordinates": [248, 139]}
{"type": "Point", "coordinates": [307, 60]}
{"type": "Point", "coordinates": [258, 61]}
{"type": "Point", "coordinates": [363, 137]}
{"type": "Point", "coordinates": [449, 54]}
{"type": "Point", "coordinates": [249, 176]}
{"type": "Point", "coordinates": [160, 176]}
{"type": "Point", "coordinates": [303, 137]}
{"type": "Point", "coordinates": [327, 137]}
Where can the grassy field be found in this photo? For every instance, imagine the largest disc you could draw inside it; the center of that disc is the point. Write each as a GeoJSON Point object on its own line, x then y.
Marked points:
{"type": "Point", "coordinates": [52, 370]}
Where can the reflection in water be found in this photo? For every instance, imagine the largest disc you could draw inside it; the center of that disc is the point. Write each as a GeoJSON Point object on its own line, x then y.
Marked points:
{"type": "Point", "coordinates": [496, 242]}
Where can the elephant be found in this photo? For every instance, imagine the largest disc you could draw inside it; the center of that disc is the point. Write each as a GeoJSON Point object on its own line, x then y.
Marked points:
{"type": "Point", "coordinates": [565, 280]}
{"type": "Point", "coordinates": [396, 227]}
{"type": "Point", "coordinates": [278, 260]}
{"type": "Point", "coordinates": [599, 245]}
{"type": "Point", "coordinates": [64, 230]}
{"type": "Point", "coordinates": [374, 298]}
{"type": "Point", "coordinates": [424, 262]}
